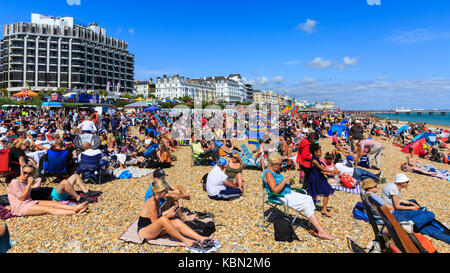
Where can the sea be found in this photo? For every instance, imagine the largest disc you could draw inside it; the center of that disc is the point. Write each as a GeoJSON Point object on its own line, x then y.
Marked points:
{"type": "Point", "coordinates": [436, 118]}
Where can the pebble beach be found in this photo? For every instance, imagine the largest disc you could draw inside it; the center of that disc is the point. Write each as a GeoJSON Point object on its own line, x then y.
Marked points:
{"type": "Point", "coordinates": [238, 223]}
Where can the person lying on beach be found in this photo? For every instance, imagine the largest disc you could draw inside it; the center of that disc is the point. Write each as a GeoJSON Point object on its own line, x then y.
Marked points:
{"type": "Point", "coordinates": [22, 205]}
{"type": "Point", "coordinates": [66, 188]}
{"type": "Point", "coordinates": [153, 222]}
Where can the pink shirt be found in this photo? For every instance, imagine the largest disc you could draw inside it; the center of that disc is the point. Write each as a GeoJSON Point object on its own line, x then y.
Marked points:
{"type": "Point", "coordinates": [335, 139]}
{"type": "Point", "coordinates": [15, 190]}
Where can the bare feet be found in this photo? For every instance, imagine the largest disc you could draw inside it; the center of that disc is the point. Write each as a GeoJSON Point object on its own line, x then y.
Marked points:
{"type": "Point", "coordinates": [325, 236]}
{"type": "Point", "coordinates": [326, 213]}
{"type": "Point", "coordinates": [81, 207]}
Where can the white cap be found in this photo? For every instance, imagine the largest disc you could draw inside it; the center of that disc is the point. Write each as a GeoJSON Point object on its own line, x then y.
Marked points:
{"type": "Point", "coordinates": [401, 178]}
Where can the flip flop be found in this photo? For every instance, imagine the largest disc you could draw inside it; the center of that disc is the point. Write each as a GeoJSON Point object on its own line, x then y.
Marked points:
{"type": "Point", "coordinates": [329, 216]}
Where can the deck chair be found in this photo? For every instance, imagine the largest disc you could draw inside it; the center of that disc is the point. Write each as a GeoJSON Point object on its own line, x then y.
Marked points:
{"type": "Point", "coordinates": [196, 158]}
{"type": "Point", "coordinates": [91, 168]}
{"type": "Point", "coordinates": [396, 232]}
{"type": "Point", "coordinates": [380, 237]}
{"type": "Point", "coordinates": [5, 169]}
{"type": "Point", "coordinates": [273, 201]}
{"type": "Point", "coordinates": [247, 158]}
{"type": "Point", "coordinates": [94, 140]}
{"type": "Point", "coordinates": [54, 165]}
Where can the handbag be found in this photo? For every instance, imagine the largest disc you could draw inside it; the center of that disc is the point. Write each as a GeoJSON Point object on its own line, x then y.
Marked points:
{"type": "Point", "coordinates": [348, 181]}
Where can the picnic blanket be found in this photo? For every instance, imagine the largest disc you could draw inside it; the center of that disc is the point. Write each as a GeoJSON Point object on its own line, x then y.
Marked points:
{"type": "Point", "coordinates": [337, 185]}
{"type": "Point", "coordinates": [131, 236]}
{"type": "Point", "coordinates": [135, 172]}
{"type": "Point", "coordinates": [440, 173]}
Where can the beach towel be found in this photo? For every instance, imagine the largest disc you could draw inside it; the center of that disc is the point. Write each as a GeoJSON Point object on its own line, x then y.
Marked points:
{"type": "Point", "coordinates": [5, 214]}
{"type": "Point", "coordinates": [131, 172]}
{"type": "Point", "coordinates": [336, 184]}
{"type": "Point", "coordinates": [131, 236]}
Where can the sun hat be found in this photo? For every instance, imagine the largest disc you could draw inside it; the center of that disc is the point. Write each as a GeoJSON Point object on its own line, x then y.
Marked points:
{"type": "Point", "coordinates": [368, 183]}
{"type": "Point", "coordinates": [222, 162]}
{"type": "Point", "coordinates": [401, 178]}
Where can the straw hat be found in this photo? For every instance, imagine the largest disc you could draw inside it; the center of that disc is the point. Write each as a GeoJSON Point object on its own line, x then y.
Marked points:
{"type": "Point", "coordinates": [368, 183]}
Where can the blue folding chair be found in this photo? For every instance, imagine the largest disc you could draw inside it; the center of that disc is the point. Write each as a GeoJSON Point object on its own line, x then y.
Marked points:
{"type": "Point", "coordinates": [54, 165]}
{"type": "Point", "coordinates": [91, 168]}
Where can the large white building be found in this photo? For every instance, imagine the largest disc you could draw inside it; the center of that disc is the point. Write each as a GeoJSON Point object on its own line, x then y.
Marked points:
{"type": "Point", "coordinates": [144, 88]}
{"type": "Point", "coordinates": [227, 90]}
{"type": "Point", "coordinates": [52, 53]}
{"type": "Point", "coordinates": [178, 87]}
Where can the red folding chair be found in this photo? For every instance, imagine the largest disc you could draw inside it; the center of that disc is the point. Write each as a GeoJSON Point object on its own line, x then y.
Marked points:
{"type": "Point", "coordinates": [5, 170]}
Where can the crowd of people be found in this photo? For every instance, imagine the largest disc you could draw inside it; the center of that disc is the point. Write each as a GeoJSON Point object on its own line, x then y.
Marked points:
{"type": "Point", "coordinates": [149, 140]}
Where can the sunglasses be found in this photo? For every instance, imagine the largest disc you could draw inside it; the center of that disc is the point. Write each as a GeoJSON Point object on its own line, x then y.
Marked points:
{"type": "Point", "coordinates": [28, 173]}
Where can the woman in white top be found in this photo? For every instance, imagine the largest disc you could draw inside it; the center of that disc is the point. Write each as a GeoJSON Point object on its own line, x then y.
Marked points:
{"type": "Point", "coordinates": [87, 126]}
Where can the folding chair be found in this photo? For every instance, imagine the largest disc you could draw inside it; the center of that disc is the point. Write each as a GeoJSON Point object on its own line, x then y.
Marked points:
{"type": "Point", "coordinates": [5, 169]}
{"type": "Point", "coordinates": [396, 232]}
{"type": "Point", "coordinates": [380, 237]}
{"type": "Point", "coordinates": [196, 158]}
{"type": "Point", "coordinates": [273, 200]}
{"type": "Point", "coordinates": [248, 159]}
{"type": "Point", "coordinates": [91, 168]}
{"type": "Point", "coordinates": [54, 165]}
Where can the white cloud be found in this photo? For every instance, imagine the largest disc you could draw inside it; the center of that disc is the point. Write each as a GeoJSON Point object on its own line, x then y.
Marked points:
{"type": "Point", "coordinates": [73, 2]}
{"type": "Point", "coordinates": [291, 62]}
{"type": "Point", "coordinates": [278, 79]}
{"type": "Point", "coordinates": [309, 26]}
{"type": "Point", "coordinates": [416, 35]}
{"type": "Point", "coordinates": [350, 62]}
{"type": "Point", "coordinates": [131, 31]}
{"type": "Point", "coordinates": [262, 81]}
{"type": "Point", "coordinates": [308, 80]}
{"type": "Point", "coordinates": [320, 63]}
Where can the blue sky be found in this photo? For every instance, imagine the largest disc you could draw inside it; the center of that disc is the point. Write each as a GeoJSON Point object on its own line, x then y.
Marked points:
{"type": "Point", "coordinates": [358, 55]}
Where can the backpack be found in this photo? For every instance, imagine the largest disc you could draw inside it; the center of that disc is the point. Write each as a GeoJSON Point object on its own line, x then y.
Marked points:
{"type": "Point", "coordinates": [359, 212]}
{"type": "Point", "coordinates": [364, 161]}
{"type": "Point", "coordinates": [284, 231]}
{"type": "Point", "coordinates": [202, 228]}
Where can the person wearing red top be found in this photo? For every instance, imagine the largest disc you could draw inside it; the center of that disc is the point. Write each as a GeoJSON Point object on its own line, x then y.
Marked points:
{"type": "Point", "coordinates": [304, 156]}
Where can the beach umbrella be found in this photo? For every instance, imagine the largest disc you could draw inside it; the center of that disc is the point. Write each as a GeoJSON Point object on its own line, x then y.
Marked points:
{"type": "Point", "coordinates": [32, 94]}
{"type": "Point", "coordinates": [140, 99]}
{"type": "Point", "coordinates": [19, 94]}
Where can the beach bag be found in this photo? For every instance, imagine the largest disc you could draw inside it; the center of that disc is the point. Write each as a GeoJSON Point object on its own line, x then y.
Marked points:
{"type": "Point", "coordinates": [125, 175]}
{"type": "Point", "coordinates": [364, 161]}
{"type": "Point", "coordinates": [359, 212]}
{"type": "Point", "coordinates": [4, 201]}
{"type": "Point", "coordinates": [348, 181]}
{"type": "Point", "coordinates": [202, 228]}
{"type": "Point", "coordinates": [284, 232]}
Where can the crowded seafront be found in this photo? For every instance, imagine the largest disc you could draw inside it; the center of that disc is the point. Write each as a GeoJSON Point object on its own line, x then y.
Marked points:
{"type": "Point", "coordinates": [238, 222]}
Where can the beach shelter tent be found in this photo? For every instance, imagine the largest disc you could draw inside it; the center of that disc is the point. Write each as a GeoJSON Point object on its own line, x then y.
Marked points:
{"type": "Point", "coordinates": [419, 136]}
{"type": "Point", "coordinates": [404, 128]}
{"type": "Point", "coordinates": [431, 138]}
{"type": "Point", "coordinates": [445, 135]}
{"type": "Point", "coordinates": [344, 122]}
{"type": "Point", "coordinates": [338, 128]}
{"type": "Point", "coordinates": [417, 146]}
{"type": "Point", "coordinates": [152, 108]}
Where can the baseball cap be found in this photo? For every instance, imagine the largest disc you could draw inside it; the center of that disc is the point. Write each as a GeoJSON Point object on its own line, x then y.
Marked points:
{"type": "Point", "coordinates": [368, 183]}
{"type": "Point", "coordinates": [222, 162]}
{"type": "Point", "coordinates": [401, 178]}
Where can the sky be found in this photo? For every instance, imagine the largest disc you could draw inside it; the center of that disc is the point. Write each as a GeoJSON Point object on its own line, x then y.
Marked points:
{"type": "Point", "coordinates": [360, 54]}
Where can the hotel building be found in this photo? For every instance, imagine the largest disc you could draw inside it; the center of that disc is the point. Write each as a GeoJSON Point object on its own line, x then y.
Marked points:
{"type": "Point", "coordinates": [51, 53]}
